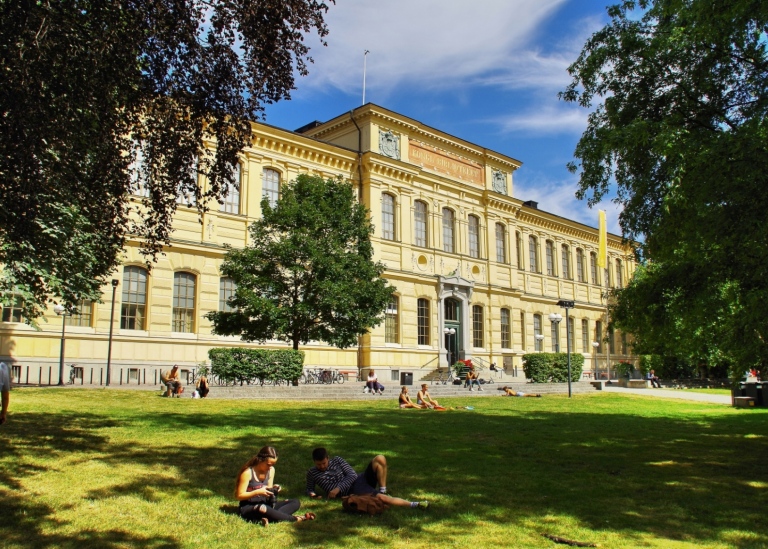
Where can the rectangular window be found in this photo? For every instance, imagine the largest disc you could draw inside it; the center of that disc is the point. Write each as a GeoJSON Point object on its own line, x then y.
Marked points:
{"type": "Point", "coordinates": [533, 252]}
{"type": "Point", "coordinates": [423, 318]}
{"type": "Point", "coordinates": [501, 243]}
{"type": "Point", "coordinates": [571, 335]}
{"type": "Point", "coordinates": [593, 268]}
{"type": "Point", "coordinates": [12, 311]}
{"type": "Point", "coordinates": [623, 343]}
{"type": "Point", "coordinates": [420, 224]}
{"type": "Point", "coordinates": [607, 277]}
{"type": "Point", "coordinates": [566, 256]}
{"type": "Point", "coordinates": [537, 335]}
{"type": "Point", "coordinates": [550, 249]}
{"type": "Point", "coordinates": [186, 189]}
{"type": "Point", "coordinates": [474, 236]}
{"type": "Point", "coordinates": [387, 217]}
{"type": "Point", "coordinates": [506, 332]}
{"type": "Point", "coordinates": [611, 341]}
{"type": "Point", "coordinates": [586, 345]}
{"type": "Point", "coordinates": [477, 326]}
{"type": "Point", "coordinates": [183, 302]}
{"type": "Point", "coordinates": [599, 335]}
{"type": "Point", "coordinates": [391, 322]}
{"type": "Point", "coordinates": [519, 246]}
{"type": "Point", "coordinates": [270, 186]}
{"type": "Point", "coordinates": [231, 202]}
{"type": "Point", "coordinates": [84, 315]}
{"type": "Point", "coordinates": [226, 290]}
{"type": "Point", "coordinates": [447, 230]}
{"type": "Point", "coordinates": [139, 182]}
{"type": "Point", "coordinates": [619, 275]}
{"type": "Point", "coordinates": [555, 335]}
{"type": "Point", "coordinates": [580, 264]}
{"type": "Point", "coordinates": [134, 299]}
{"type": "Point", "coordinates": [523, 331]}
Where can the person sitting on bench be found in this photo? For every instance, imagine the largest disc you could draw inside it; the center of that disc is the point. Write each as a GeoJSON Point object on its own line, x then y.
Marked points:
{"type": "Point", "coordinates": [651, 376]}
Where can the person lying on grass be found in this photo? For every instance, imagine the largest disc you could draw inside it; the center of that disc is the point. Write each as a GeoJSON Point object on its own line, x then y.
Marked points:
{"type": "Point", "coordinates": [510, 393]}
{"type": "Point", "coordinates": [337, 478]}
{"type": "Point", "coordinates": [405, 400]}
{"type": "Point", "coordinates": [257, 492]}
{"type": "Point", "coordinates": [425, 401]}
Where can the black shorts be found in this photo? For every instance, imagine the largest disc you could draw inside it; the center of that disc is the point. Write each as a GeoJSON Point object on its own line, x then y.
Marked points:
{"type": "Point", "coordinates": [365, 483]}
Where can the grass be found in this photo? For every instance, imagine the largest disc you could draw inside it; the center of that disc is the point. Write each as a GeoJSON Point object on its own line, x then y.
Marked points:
{"type": "Point", "coordinates": [108, 469]}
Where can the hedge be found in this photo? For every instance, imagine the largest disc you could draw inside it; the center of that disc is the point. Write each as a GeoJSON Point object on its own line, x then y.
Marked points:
{"type": "Point", "coordinates": [552, 367]}
{"type": "Point", "coordinates": [238, 364]}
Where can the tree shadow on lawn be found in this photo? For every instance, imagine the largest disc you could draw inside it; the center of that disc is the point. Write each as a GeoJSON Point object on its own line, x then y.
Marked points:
{"type": "Point", "coordinates": [630, 475]}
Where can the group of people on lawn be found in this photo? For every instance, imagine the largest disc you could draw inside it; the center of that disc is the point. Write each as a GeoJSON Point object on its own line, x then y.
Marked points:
{"type": "Point", "coordinates": [257, 492]}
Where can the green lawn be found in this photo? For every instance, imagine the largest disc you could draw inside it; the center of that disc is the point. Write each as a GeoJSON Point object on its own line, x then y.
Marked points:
{"type": "Point", "coordinates": [97, 468]}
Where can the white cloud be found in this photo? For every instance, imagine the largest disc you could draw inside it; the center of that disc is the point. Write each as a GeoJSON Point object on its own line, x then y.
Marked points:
{"type": "Point", "coordinates": [432, 43]}
{"type": "Point", "coordinates": [550, 118]}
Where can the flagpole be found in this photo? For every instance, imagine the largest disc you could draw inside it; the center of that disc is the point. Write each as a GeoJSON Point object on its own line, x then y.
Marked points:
{"type": "Point", "coordinates": [365, 57]}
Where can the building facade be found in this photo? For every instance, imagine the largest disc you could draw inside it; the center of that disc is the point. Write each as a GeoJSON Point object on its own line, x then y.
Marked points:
{"type": "Point", "coordinates": [476, 271]}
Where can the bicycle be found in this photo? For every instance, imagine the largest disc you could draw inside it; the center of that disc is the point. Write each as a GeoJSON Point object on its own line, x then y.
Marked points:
{"type": "Point", "coordinates": [331, 376]}
{"type": "Point", "coordinates": [309, 376]}
{"type": "Point", "coordinates": [445, 377]}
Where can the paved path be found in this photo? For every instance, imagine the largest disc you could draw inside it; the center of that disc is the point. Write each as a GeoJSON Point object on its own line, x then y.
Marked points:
{"type": "Point", "coordinates": [681, 394]}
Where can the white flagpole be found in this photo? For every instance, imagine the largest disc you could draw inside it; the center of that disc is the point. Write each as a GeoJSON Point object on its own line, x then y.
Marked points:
{"type": "Point", "coordinates": [365, 56]}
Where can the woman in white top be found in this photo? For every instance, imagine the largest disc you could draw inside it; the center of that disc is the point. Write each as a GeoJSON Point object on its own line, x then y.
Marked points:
{"type": "Point", "coordinates": [373, 383]}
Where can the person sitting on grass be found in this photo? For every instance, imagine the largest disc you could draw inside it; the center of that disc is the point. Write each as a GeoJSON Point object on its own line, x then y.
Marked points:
{"type": "Point", "coordinates": [337, 478]}
{"type": "Point", "coordinates": [172, 381]}
{"type": "Point", "coordinates": [405, 400]}
{"type": "Point", "coordinates": [425, 401]}
{"type": "Point", "coordinates": [202, 386]}
{"type": "Point", "coordinates": [257, 492]}
{"type": "Point", "coordinates": [511, 393]}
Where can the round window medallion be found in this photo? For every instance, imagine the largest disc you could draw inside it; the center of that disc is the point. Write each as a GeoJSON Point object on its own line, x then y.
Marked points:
{"type": "Point", "coordinates": [422, 262]}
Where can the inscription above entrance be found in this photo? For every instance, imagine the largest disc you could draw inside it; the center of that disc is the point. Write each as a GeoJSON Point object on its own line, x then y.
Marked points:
{"type": "Point", "coordinates": [442, 162]}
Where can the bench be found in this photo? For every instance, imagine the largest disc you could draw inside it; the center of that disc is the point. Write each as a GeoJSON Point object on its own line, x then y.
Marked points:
{"type": "Point", "coordinates": [598, 384]}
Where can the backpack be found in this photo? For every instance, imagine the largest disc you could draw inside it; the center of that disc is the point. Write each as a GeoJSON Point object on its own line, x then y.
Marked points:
{"type": "Point", "coordinates": [368, 503]}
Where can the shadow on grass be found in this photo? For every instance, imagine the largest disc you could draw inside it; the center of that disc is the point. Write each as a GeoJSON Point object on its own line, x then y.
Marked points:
{"type": "Point", "coordinates": [674, 476]}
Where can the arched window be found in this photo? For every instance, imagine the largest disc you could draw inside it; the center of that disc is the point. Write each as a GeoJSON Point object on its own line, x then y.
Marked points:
{"type": "Point", "coordinates": [83, 315]}
{"type": "Point", "coordinates": [392, 321]}
{"type": "Point", "coordinates": [474, 235]}
{"type": "Point", "coordinates": [477, 326]}
{"type": "Point", "coordinates": [555, 335]}
{"type": "Point", "coordinates": [523, 331]}
{"type": "Point", "coordinates": [550, 254]}
{"type": "Point", "coordinates": [619, 274]}
{"type": "Point", "coordinates": [387, 217]}
{"type": "Point", "coordinates": [599, 335]}
{"type": "Point", "coordinates": [422, 306]}
{"type": "Point", "coordinates": [231, 202]}
{"type": "Point", "coordinates": [571, 336]}
{"type": "Point", "coordinates": [183, 302]}
{"type": "Point", "coordinates": [519, 246]}
{"type": "Point", "coordinates": [533, 253]}
{"type": "Point", "coordinates": [537, 341]}
{"type": "Point", "coordinates": [593, 268]}
{"type": "Point", "coordinates": [580, 265]}
{"type": "Point", "coordinates": [227, 288]}
{"type": "Point", "coordinates": [586, 345]}
{"type": "Point", "coordinates": [566, 257]}
{"type": "Point", "coordinates": [611, 341]}
{"type": "Point", "coordinates": [270, 186]}
{"type": "Point", "coordinates": [420, 234]}
{"type": "Point", "coordinates": [134, 299]}
{"type": "Point", "coordinates": [506, 330]}
{"type": "Point", "coordinates": [501, 243]}
{"type": "Point", "coordinates": [185, 195]}
{"type": "Point", "coordinates": [447, 230]}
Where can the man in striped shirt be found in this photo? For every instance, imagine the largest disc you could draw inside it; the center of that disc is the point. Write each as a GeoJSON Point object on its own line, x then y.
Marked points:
{"type": "Point", "coordinates": [337, 478]}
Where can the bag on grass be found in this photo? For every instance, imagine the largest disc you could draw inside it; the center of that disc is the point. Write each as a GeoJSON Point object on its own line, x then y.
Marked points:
{"type": "Point", "coordinates": [369, 504]}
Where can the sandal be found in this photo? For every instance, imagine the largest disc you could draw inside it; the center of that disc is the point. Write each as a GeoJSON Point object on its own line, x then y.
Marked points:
{"type": "Point", "coordinates": [308, 516]}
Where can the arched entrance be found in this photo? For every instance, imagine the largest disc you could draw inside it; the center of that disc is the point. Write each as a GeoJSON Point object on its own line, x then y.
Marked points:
{"type": "Point", "coordinates": [454, 294]}
{"type": "Point", "coordinates": [453, 330]}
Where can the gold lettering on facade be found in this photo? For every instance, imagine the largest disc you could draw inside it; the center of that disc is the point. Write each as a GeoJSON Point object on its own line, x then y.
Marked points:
{"type": "Point", "coordinates": [443, 162]}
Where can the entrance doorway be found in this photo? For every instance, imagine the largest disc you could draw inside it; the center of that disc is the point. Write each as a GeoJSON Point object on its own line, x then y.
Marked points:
{"type": "Point", "coordinates": [454, 340]}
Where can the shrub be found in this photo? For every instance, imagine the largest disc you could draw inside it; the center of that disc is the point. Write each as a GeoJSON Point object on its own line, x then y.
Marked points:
{"type": "Point", "coordinates": [243, 365]}
{"type": "Point", "coordinates": [552, 367]}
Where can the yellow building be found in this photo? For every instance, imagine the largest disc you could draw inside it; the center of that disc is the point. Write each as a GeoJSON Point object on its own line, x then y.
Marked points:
{"type": "Point", "coordinates": [462, 253]}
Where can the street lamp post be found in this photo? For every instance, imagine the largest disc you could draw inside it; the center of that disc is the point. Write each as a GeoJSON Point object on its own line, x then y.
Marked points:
{"type": "Point", "coordinates": [595, 345]}
{"type": "Point", "coordinates": [449, 332]}
{"type": "Point", "coordinates": [115, 282]}
{"type": "Point", "coordinates": [566, 304]}
{"type": "Point", "coordinates": [62, 312]}
{"type": "Point", "coordinates": [555, 319]}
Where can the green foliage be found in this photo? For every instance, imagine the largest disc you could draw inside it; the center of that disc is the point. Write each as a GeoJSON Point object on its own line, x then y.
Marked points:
{"type": "Point", "coordinates": [624, 368]}
{"type": "Point", "coordinates": [308, 274]}
{"type": "Point", "coordinates": [242, 365]}
{"type": "Point", "coordinates": [89, 87]}
{"type": "Point", "coordinates": [680, 127]}
{"type": "Point", "coordinates": [552, 367]}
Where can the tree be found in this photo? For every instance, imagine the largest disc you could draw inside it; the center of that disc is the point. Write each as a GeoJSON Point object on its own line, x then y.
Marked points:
{"type": "Point", "coordinates": [100, 98]}
{"type": "Point", "coordinates": [308, 274]}
{"type": "Point", "coordinates": [680, 128]}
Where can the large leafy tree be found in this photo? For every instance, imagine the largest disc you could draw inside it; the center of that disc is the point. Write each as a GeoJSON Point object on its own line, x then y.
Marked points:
{"type": "Point", "coordinates": [308, 274]}
{"type": "Point", "coordinates": [680, 90]}
{"type": "Point", "coordinates": [100, 95]}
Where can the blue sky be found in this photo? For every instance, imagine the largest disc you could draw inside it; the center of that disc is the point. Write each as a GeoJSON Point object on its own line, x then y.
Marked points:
{"type": "Point", "coordinates": [487, 71]}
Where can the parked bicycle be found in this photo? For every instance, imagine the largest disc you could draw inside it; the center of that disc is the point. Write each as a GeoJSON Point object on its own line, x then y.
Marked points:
{"type": "Point", "coordinates": [332, 376]}
{"type": "Point", "coordinates": [310, 376]}
{"type": "Point", "coordinates": [445, 377]}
